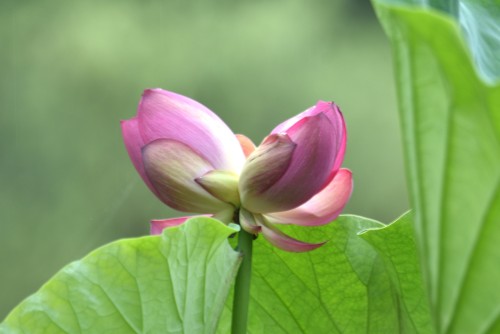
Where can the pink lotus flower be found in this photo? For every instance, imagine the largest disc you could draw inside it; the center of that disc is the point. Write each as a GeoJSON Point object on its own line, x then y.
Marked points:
{"type": "Point", "coordinates": [193, 162]}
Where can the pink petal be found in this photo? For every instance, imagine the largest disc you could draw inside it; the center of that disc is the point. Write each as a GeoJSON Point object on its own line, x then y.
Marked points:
{"type": "Point", "coordinates": [283, 241]}
{"type": "Point", "coordinates": [264, 167]}
{"type": "Point", "coordinates": [172, 168]}
{"type": "Point", "coordinates": [166, 115]}
{"type": "Point", "coordinates": [332, 111]}
{"type": "Point", "coordinates": [134, 144]}
{"type": "Point", "coordinates": [246, 144]}
{"type": "Point", "coordinates": [323, 207]}
{"type": "Point", "coordinates": [158, 225]}
{"type": "Point", "coordinates": [341, 148]}
{"type": "Point", "coordinates": [309, 170]}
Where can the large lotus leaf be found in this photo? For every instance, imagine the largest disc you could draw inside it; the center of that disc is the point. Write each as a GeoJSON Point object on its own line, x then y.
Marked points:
{"type": "Point", "coordinates": [395, 244]}
{"type": "Point", "coordinates": [447, 59]}
{"type": "Point", "coordinates": [344, 286]}
{"type": "Point", "coordinates": [174, 283]}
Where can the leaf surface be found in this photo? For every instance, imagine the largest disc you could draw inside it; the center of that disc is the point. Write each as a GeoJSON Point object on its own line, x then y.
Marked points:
{"type": "Point", "coordinates": [174, 283]}
{"type": "Point", "coordinates": [395, 244]}
{"type": "Point", "coordinates": [344, 286]}
{"type": "Point", "coordinates": [447, 58]}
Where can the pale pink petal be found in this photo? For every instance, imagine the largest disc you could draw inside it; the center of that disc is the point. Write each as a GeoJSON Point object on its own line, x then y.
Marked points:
{"type": "Point", "coordinates": [158, 225]}
{"type": "Point", "coordinates": [323, 207]}
{"type": "Point", "coordinates": [247, 222]}
{"type": "Point", "coordinates": [247, 144]}
{"type": "Point", "coordinates": [166, 115]}
{"type": "Point", "coordinates": [134, 143]}
{"type": "Point", "coordinates": [283, 241]}
{"type": "Point", "coordinates": [172, 168]}
{"type": "Point", "coordinates": [308, 171]}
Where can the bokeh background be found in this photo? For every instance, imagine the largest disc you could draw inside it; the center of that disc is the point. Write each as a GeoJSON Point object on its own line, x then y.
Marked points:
{"type": "Point", "coordinates": [70, 70]}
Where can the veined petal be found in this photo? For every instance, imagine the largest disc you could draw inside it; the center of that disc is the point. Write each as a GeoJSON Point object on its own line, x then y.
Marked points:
{"type": "Point", "coordinates": [342, 137]}
{"type": "Point", "coordinates": [133, 144]}
{"type": "Point", "coordinates": [172, 168]}
{"type": "Point", "coordinates": [158, 225]}
{"type": "Point", "coordinates": [264, 167]}
{"type": "Point", "coordinates": [166, 115]}
{"type": "Point", "coordinates": [246, 144]}
{"type": "Point", "coordinates": [308, 171]}
{"type": "Point", "coordinates": [323, 207]}
{"type": "Point", "coordinates": [332, 111]}
{"type": "Point", "coordinates": [283, 241]}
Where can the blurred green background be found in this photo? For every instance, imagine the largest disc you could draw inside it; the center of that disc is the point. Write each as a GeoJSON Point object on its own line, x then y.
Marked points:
{"type": "Point", "coordinates": [72, 69]}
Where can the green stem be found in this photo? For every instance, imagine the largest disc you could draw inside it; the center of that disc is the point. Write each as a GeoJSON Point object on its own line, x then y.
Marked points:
{"type": "Point", "coordinates": [242, 286]}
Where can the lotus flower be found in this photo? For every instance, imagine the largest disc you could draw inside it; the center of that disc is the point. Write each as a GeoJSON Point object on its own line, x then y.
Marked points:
{"type": "Point", "coordinates": [193, 162]}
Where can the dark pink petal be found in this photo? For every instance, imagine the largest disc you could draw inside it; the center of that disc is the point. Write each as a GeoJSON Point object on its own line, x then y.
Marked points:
{"type": "Point", "coordinates": [172, 168]}
{"type": "Point", "coordinates": [309, 169]}
{"type": "Point", "coordinates": [342, 147]}
{"type": "Point", "coordinates": [323, 207]}
{"type": "Point", "coordinates": [332, 111]}
{"type": "Point", "coordinates": [264, 167]}
{"type": "Point", "coordinates": [134, 143]}
{"type": "Point", "coordinates": [166, 115]}
{"type": "Point", "coordinates": [283, 241]}
{"type": "Point", "coordinates": [158, 225]}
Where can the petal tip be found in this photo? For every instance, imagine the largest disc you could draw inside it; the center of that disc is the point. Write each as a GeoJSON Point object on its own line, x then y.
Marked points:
{"type": "Point", "coordinates": [288, 243]}
{"type": "Point", "coordinates": [246, 144]}
{"type": "Point", "coordinates": [148, 91]}
{"type": "Point", "coordinates": [160, 91]}
{"type": "Point", "coordinates": [248, 223]}
{"type": "Point", "coordinates": [324, 104]}
{"type": "Point", "coordinates": [283, 241]}
{"type": "Point", "coordinates": [124, 122]}
{"type": "Point", "coordinates": [346, 171]}
{"type": "Point", "coordinates": [327, 107]}
{"type": "Point", "coordinates": [158, 225]}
